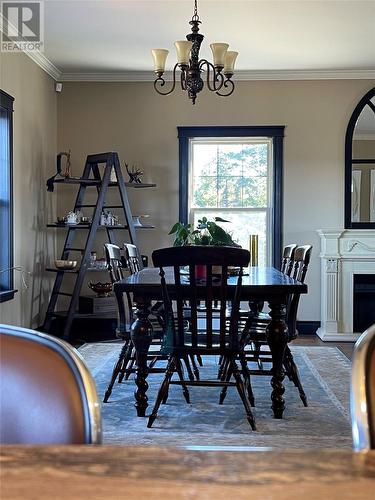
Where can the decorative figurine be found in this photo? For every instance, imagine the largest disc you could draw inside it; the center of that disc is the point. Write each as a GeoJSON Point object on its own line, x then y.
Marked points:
{"type": "Point", "coordinates": [134, 174]}
{"type": "Point", "coordinates": [66, 174]}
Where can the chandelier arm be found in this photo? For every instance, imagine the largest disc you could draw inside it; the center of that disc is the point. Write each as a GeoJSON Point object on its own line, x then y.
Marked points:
{"type": "Point", "coordinates": [161, 82]}
{"type": "Point", "coordinates": [217, 79]}
{"type": "Point", "coordinates": [183, 80]}
{"type": "Point", "coordinates": [227, 83]}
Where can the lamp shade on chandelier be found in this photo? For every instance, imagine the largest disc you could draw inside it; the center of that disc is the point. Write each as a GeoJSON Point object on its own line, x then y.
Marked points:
{"type": "Point", "coordinates": [218, 75]}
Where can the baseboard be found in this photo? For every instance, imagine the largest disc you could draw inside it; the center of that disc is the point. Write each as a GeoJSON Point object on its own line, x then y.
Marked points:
{"type": "Point", "coordinates": [307, 327]}
{"type": "Point", "coordinates": [337, 337]}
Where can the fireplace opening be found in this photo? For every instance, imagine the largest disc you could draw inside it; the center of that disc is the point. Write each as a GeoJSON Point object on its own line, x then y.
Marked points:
{"type": "Point", "coordinates": [363, 302]}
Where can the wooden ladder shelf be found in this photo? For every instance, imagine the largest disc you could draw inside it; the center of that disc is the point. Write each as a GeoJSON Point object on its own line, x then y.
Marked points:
{"type": "Point", "coordinates": [91, 176]}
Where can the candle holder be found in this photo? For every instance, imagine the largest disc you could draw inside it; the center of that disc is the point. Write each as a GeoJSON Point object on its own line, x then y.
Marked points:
{"type": "Point", "coordinates": [253, 247]}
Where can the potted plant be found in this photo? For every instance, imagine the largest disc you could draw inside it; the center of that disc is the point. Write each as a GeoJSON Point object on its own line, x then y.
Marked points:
{"type": "Point", "coordinates": [207, 232]}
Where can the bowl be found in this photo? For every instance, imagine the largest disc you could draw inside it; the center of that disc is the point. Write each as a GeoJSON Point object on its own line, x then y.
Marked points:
{"type": "Point", "coordinates": [102, 289]}
{"type": "Point", "coordinates": [65, 264]}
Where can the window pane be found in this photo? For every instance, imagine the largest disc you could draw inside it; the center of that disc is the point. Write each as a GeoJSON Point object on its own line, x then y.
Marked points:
{"type": "Point", "coordinates": [205, 159]}
{"type": "Point", "coordinates": [254, 192]}
{"type": "Point", "coordinates": [255, 160]}
{"type": "Point", "coordinates": [230, 178]}
{"type": "Point", "coordinates": [205, 191]}
{"type": "Point", "coordinates": [229, 160]}
{"type": "Point", "coordinates": [229, 192]}
{"type": "Point", "coordinates": [240, 170]}
{"type": "Point", "coordinates": [4, 199]}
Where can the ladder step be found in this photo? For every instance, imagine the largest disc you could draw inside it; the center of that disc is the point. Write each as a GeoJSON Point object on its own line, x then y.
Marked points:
{"type": "Point", "coordinates": [64, 314]}
{"type": "Point", "coordinates": [82, 181]}
{"type": "Point", "coordinates": [104, 206]}
{"type": "Point", "coordinates": [55, 270]}
{"type": "Point", "coordinates": [70, 226]}
{"type": "Point", "coordinates": [64, 293]}
{"type": "Point", "coordinates": [74, 249]}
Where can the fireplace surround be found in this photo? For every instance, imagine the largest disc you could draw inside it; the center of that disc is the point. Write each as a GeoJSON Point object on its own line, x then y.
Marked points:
{"type": "Point", "coordinates": [345, 254]}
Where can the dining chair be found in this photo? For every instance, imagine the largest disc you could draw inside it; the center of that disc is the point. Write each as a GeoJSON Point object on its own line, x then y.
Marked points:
{"type": "Point", "coordinates": [256, 308]}
{"type": "Point", "coordinates": [362, 391]}
{"type": "Point", "coordinates": [47, 393]}
{"type": "Point", "coordinates": [255, 326]}
{"type": "Point", "coordinates": [118, 266]}
{"type": "Point", "coordinates": [157, 308]}
{"type": "Point", "coordinates": [180, 341]}
{"type": "Point", "coordinates": [134, 265]}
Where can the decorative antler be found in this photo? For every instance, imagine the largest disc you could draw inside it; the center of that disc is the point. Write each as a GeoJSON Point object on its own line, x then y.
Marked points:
{"type": "Point", "coordinates": [134, 174]}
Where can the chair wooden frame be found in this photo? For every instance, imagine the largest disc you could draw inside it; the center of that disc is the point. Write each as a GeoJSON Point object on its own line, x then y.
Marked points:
{"type": "Point", "coordinates": [295, 264]}
{"type": "Point", "coordinates": [85, 383]}
{"type": "Point", "coordinates": [178, 341]}
{"type": "Point", "coordinates": [362, 391]}
{"type": "Point", "coordinates": [125, 364]}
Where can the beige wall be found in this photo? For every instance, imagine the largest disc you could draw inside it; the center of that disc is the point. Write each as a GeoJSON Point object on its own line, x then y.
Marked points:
{"type": "Point", "coordinates": [132, 119]}
{"type": "Point", "coordinates": [34, 147]}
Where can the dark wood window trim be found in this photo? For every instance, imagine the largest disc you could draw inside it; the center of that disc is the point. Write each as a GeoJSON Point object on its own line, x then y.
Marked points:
{"type": "Point", "coordinates": [7, 293]}
{"type": "Point", "coordinates": [349, 160]}
{"type": "Point", "coordinates": [275, 132]}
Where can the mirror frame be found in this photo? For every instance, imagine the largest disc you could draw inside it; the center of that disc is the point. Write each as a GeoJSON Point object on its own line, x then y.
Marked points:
{"type": "Point", "coordinates": [349, 224]}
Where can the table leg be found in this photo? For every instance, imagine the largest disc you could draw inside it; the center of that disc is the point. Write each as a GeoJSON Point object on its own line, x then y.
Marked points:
{"type": "Point", "coordinates": [277, 336]}
{"type": "Point", "coordinates": [141, 335]}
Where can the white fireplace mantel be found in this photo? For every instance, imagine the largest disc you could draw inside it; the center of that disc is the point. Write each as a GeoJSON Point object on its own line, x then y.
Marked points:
{"type": "Point", "coordinates": [344, 253]}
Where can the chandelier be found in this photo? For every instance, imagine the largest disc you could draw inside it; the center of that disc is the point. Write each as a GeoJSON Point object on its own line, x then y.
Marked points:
{"type": "Point", "coordinates": [218, 75]}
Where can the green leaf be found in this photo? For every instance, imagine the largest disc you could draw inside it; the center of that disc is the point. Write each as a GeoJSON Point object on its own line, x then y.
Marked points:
{"type": "Point", "coordinates": [175, 228]}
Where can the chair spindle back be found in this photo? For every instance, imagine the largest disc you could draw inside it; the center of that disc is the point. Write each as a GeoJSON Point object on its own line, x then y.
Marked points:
{"type": "Point", "coordinates": [210, 289]}
{"type": "Point", "coordinates": [287, 259]}
{"type": "Point", "coordinates": [132, 258]}
{"type": "Point", "coordinates": [115, 262]}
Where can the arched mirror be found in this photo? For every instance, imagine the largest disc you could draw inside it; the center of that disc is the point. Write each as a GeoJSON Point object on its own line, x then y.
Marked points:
{"type": "Point", "coordinates": [360, 165]}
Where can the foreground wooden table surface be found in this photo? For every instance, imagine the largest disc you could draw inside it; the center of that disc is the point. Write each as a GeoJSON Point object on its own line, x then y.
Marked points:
{"type": "Point", "coordinates": [130, 472]}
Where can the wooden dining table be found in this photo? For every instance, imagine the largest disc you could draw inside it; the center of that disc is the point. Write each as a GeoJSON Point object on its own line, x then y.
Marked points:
{"type": "Point", "coordinates": [114, 472]}
{"type": "Point", "coordinates": [258, 284]}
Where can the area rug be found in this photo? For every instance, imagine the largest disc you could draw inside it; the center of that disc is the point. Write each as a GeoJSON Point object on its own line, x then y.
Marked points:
{"type": "Point", "coordinates": [325, 423]}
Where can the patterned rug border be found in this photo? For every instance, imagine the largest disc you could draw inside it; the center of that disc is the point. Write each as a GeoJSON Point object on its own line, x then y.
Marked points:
{"type": "Point", "coordinates": [325, 372]}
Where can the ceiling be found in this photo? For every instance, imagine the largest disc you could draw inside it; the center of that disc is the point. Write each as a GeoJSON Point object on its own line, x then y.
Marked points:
{"type": "Point", "coordinates": [107, 36]}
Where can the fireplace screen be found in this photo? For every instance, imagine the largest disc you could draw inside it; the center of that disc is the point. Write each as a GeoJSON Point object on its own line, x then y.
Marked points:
{"type": "Point", "coordinates": [363, 302]}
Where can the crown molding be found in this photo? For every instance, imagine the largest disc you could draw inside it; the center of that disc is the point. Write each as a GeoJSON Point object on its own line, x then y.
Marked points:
{"type": "Point", "coordinates": [241, 75]}
{"type": "Point", "coordinates": [38, 57]}
{"type": "Point", "coordinates": [43, 62]}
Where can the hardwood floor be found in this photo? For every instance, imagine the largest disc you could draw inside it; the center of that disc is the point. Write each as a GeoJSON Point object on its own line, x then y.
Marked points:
{"type": "Point", "coordinates": [313, 340]}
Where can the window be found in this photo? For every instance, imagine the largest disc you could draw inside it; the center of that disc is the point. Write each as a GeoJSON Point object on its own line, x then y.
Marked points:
{"type": "Point", "coordinates": [6, 209]}
{"type": "Point", "coordinates": [235, 173]}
